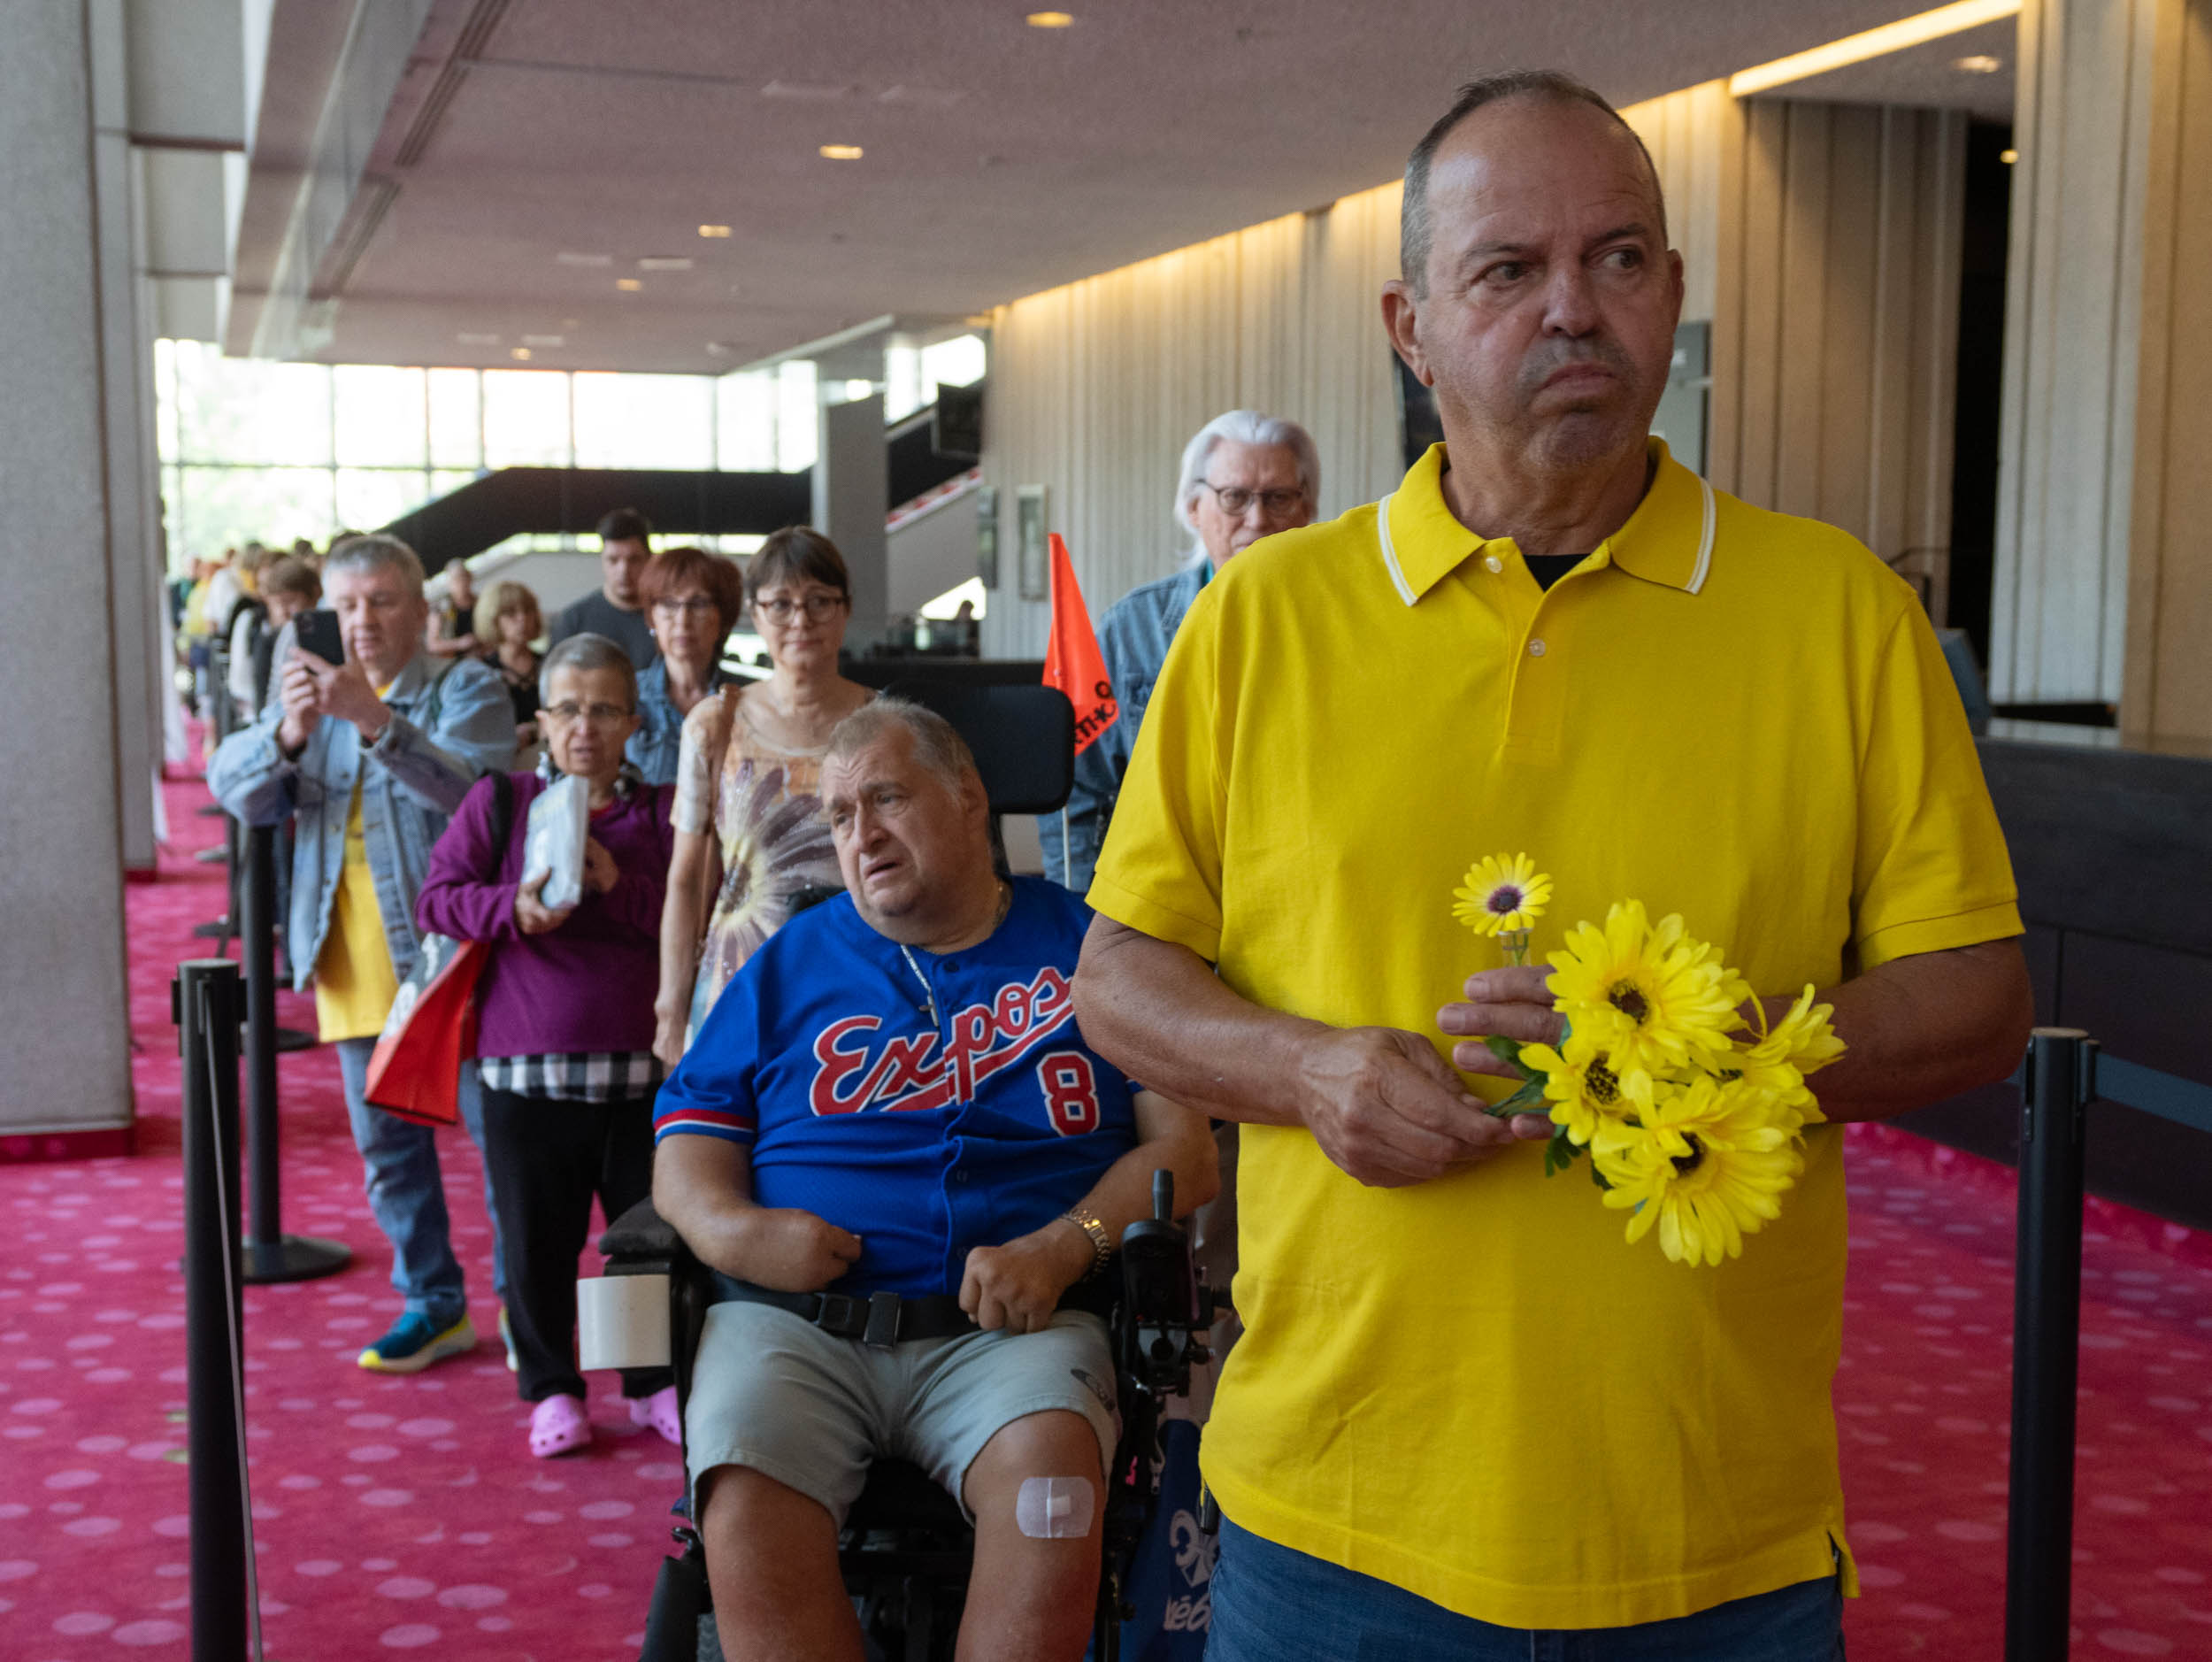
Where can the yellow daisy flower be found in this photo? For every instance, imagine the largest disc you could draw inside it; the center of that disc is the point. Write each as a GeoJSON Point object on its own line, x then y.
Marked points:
{"type": "Point", "coordinates": [1706, 1167]}
{"type": "Point", "coordinates": [1651, 998]}
{"type": "Point", "coordinates": [1582, 1088]}
{"type": "Point", "coordinates": [1502, 893]}
{"type": "Point", "coordinates": [1802, 1042]}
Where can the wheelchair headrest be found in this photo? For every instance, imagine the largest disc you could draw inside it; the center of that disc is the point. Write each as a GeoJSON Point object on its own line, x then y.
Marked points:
{"type": "Point", "coordinates": [1023, 738]}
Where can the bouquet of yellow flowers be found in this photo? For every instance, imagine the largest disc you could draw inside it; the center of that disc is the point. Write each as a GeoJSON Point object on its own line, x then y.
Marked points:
{"type": "Point", "coordinates": [1691, 1122]}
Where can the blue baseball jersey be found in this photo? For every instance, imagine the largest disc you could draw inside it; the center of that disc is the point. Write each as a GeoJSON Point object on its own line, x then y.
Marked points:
{"type": "Point", "coordinates": [930, 1105]}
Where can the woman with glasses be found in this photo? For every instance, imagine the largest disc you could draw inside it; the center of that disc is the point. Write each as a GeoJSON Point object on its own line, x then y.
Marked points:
{"type": "Point", "coordinates": [692, 600]}
{"type": "Point", "coordinates": [565, 1022]}
{"type": "Point", "coordinates": [751, 840]}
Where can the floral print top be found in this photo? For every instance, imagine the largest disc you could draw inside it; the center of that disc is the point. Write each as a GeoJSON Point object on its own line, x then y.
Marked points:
{"type": "Point", "coordinates": [758, 799]}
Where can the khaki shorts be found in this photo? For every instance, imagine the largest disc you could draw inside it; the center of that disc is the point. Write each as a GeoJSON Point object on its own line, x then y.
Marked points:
{"type": "Point", "coordinates": [773, 1391]}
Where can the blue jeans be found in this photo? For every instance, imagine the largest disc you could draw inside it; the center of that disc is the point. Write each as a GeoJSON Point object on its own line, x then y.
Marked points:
{"type": "Point", "coordinates": [1270, 1601]}
{"type": "Point", "coordinates": [407, 1191]}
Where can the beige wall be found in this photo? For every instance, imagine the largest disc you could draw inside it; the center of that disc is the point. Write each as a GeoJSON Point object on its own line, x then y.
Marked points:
{"type": "Point", "coordinates": [1821, 241]}
{"type": "Point", "coordinates": [2167, 686]}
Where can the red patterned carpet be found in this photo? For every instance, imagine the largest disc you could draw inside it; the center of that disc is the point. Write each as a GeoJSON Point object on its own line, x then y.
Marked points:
{"type": "Point", "coordinates": [398, 1515]}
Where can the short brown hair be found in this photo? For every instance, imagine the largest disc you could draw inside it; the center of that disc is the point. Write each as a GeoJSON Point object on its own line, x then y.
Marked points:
{"type": "Point", "coordinates": [288, 575]}
{"type": "Point", "coordinates": [675, 568]}
{"type": "Point", "coordinates": [797, 551]}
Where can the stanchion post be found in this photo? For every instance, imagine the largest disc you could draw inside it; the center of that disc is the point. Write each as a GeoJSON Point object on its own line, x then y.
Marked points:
{"type": "Point", "coordinates": [271, 1254]}
{"type": "Point", "coordinates": [207, 1010]}
{"type": "Point", "coordinates": [2062, 1080]}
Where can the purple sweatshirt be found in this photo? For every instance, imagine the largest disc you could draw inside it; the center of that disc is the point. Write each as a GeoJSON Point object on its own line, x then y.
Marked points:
{"type": "Point", "coordinates": [586, 985]}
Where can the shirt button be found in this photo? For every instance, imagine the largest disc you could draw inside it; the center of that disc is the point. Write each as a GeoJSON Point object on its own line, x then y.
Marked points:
{"type": "Point", "coordinates": [1495, 563]}
{"type": "Point", "coordinates": [1536, 648]}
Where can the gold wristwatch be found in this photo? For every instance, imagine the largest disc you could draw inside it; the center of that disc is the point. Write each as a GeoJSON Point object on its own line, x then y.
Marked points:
{"type": "Point", "coordinates": [1094, 1226]}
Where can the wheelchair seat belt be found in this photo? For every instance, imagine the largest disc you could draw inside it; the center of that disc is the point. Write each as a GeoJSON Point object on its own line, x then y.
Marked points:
{"type": "Point", "coordinates": [881, 1319]}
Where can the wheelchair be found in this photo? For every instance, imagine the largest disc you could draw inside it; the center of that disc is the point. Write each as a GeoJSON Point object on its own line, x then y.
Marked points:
{"type": "Point", "coordinates": [905, 1551]}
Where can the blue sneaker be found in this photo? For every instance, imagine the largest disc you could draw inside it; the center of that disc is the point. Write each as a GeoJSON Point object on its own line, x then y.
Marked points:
{"type": "Point", "coordinates": [415, 1342]}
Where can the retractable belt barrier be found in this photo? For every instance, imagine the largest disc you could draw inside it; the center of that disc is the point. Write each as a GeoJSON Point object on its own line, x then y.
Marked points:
{"type": "Point", "coordinates": [2060, 1081]}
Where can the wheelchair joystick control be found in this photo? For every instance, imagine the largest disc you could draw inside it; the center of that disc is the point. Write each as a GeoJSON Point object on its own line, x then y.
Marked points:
{"type": "Point", "coordinates": [1163, 1195]}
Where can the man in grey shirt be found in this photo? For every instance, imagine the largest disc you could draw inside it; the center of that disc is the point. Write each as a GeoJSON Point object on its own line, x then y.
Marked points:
{"type": "Point", "coordinates": [616, 609]}
{"type": "Point", "coordinates": [1245, 476]}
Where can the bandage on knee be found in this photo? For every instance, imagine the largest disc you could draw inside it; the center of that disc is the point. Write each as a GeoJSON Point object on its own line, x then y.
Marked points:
{"type": "Point", "coordinates": [1055, 1508]}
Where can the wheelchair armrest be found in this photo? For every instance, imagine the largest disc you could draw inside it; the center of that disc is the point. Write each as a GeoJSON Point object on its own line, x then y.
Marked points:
{"type": "Point", "coordinates": [640, 1242]}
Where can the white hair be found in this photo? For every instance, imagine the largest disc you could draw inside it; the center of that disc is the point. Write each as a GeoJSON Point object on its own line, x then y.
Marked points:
{"type": "Point", "coordinates": [1242, 426]}
{"type": "Point", "coordinates": [376, 552]}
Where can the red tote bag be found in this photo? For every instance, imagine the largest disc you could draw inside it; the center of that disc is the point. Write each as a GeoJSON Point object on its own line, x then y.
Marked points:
{"type": "Point", "coordinates": [415, 1070]}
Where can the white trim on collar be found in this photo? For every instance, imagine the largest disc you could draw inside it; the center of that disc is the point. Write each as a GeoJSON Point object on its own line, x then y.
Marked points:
{"type": "Point", "coordinates": [1390, 551]}
{"type": "Point", "coordinates": [1705, 539]}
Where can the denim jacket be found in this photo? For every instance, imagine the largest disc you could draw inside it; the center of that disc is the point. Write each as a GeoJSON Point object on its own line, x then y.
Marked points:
{"type": "Point", "coordinates": [657, 747]}
{"type": "Point", "coordinates": [415, 777]}
{"type": "Point", "coordinates": [1133, 637]}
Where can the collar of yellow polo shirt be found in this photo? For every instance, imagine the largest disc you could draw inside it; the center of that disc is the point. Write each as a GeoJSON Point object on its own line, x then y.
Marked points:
{"type": "Point", "coordinates": [1474, 1387]}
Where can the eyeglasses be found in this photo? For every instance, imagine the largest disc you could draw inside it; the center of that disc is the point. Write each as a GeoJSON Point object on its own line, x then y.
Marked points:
{"type": "Point", "coordinates": [817, 605]}
{"type": "Point", "coordinates": [1234, 499]}
{"type": "Point", "coordinates": [687, 605]}
{"type": "Point", "coordinates": [598, 715]}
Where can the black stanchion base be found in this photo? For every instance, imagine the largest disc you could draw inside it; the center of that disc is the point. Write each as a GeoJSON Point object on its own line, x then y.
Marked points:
{"type": "Point", "coordinates": [290, 1039]}
{"type": "Point", "coordinates": [214, 856]}
{"type": "Point", "coordinates": [295, 1257]}
{"type": "Point", "coordinates": [214, 929]}
{"type": "Point", "coordinates": [211, 811]}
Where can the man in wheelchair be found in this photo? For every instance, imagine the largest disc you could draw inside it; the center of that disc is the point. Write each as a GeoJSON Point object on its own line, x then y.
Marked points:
{"type": "Point", "coordinates": [892, 1146]}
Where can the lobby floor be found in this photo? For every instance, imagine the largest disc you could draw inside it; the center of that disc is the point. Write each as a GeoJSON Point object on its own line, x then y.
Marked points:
{"type": "Point", "coordinates": [398, 1515]}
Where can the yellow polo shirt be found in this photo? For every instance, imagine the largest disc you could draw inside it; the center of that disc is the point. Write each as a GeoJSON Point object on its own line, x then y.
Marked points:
{"type": "Point", "coordinates": [1474, 1387]}
{"type": "Point", "coordinates": [355, 983]}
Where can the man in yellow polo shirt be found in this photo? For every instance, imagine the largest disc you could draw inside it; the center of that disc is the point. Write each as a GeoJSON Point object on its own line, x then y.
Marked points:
{"type": "Point", "coordinates": [1466, 1416]}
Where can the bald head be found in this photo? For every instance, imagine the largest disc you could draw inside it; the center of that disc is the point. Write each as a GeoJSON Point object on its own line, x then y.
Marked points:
{"type": "Point", "coordinates": [1541, 87]}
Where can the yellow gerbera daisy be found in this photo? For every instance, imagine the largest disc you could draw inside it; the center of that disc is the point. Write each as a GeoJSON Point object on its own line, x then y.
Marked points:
{"type": "Point", "coordinates": [1651, 998]}
{"type": "Point", "coordinates": [1502, 893]}
{"type": "Point", "coordinates": [1802, 1042]}
{"type": "Point", "coordinates": [1707, 1166]}
{"type": "Point", "coordinates": [1582, 1088]}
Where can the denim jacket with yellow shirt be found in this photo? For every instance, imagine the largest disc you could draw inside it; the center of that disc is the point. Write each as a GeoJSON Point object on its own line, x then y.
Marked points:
{"type": "Point", "coordinates": [449, 725]}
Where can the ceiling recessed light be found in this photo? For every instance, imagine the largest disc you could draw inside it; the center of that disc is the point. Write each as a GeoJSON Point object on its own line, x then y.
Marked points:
{"type": "Point", "coordinates": [571, 323]}
{"type": "Point", "coordinates": [843, 152]}
{"type": "Point", "coordinates": [1856, 49]}
{"type": "Point", "coordinates": [521, 354]}
{"type": "Point", "coordinates": [545, 340]}
{"type": "Point", "coordinates": [664, 262]}
{"type": "Point", "coordinates": [476, 337]}
{"type": "Point", "coordinates": [2007, 156]}
{"type": "Point", "coordinates": [1048, 20]}
{"type": "Point", "coordinates": [629, 285]}
{"type": "Point", "coordinates": [1978, 63]}
{"type": "Point", "coordinates": [928, 97]}
{"type": "Point", "coordinates": [569, 259]}
{"type": "Point", "coordinates": [814, 91]}
{"type": "Point", "coordinates": [714, 230]}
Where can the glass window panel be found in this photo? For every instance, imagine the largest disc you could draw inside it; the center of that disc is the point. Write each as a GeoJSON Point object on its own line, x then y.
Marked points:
{"type": "Point", "coordinates": [243, 409]}
{"type": "Point", "coordinates": [457, 419]}
{"type": "Point", "coordinates": [180, 549]}
{"type": "Point", "coordinates": [369, 499]}
{"type": "Point", "coordinates": [380, 416]}
{"type": "Point", "coordinates": [902, 393]}
{"type": "Point", "coordinates": [795, 437]}
{"type": "Point", "coordinates": [445, 482]}
{"type": "Point", "coordinates": [959, 362]}
{"type": "Point", "coordinates": [625, 421]}
{"type": "Point", "coordinates": [226, 507]}
{"type": "Point", "coordinates": [165, 399]}
{"type": "Point", "coordinates": [745, 422]}
{"type": "Point", "coordinates": [525, 418]}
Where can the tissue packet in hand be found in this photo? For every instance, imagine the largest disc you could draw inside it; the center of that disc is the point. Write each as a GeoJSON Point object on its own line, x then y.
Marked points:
{"type": "Point", "coordinates": [559, 824]}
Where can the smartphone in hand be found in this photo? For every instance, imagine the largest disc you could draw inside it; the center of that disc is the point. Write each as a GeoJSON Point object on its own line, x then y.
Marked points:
{"type": "Point", "coordinates": [317, 632]}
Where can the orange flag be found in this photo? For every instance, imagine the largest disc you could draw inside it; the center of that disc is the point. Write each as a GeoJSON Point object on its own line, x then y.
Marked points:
{"type": "Point", "coordinates": [1073, 661]}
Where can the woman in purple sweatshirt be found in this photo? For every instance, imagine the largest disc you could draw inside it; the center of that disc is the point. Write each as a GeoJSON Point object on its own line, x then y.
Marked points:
{"type": "Point", "coordinates": [565, 1028]}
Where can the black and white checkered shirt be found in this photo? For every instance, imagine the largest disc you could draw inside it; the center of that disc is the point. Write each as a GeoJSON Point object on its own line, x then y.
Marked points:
{"type": "Point", "coordinates": [586, 1076]}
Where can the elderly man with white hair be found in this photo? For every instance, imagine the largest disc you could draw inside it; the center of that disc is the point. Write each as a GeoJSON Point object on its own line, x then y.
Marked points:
{"type": "Point", "coordinates": [1245, 476]}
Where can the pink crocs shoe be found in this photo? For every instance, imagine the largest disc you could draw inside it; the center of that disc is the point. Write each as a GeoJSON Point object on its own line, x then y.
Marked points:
{"type": "Point", "coordinates": [558, 1426]}
{"type": "Point", "coordinates": [659, 1410]}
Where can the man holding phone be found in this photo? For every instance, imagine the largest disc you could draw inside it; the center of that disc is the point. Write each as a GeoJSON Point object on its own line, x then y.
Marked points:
{"type": "Point", "coordinates": [371, 743]}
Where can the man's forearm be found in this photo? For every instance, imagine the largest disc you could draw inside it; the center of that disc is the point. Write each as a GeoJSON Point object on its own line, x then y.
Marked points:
{"type": "Point", "coordinates": [1159, 1013]}
{"type": "Point", "coordinates": [702, 1189]}
{"type": "Point", "coordinates": [1122, 1193]}
{"type": "Point", "coordinates": [1923, 1028]}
